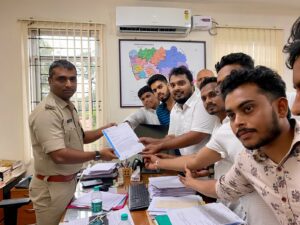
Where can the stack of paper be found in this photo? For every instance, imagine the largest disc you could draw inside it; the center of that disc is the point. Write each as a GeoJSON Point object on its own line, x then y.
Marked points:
{"type": "Point", "coordinates": [168, 186]}
{"type": "Point", "coordinates": [110, 200]}
{"type": "Point", "coordinates": [210, 214]}
{"type": "Point", "coordinates": [99, 170]}
{"type": "Point", "coordinates": [160, 205]}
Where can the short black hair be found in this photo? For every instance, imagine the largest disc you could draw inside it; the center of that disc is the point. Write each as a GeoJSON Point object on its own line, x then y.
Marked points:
{"type": "Point", "coordinates": [180, 71]}
{"type": "Point", "coordinates": [293, 45]}
{"type": "Point", "coordinates": [143, 90]}
{"type": "Point", "coordinates": [155, 78]}
{"type": "Point", "coordinates": [207, 80]}
{"type": "Point", "coordinates": [61, 63]}
{"type": "Point", "coordinates": [267, 80]}
{"type": "Point", "coordinates": [238, 58]}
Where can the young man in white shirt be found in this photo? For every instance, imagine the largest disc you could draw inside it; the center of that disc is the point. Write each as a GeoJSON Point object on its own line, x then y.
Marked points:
{"type": "Point", "coordinates": [190, 125]}
{"type": "Point", "coordinates": [146, 114]}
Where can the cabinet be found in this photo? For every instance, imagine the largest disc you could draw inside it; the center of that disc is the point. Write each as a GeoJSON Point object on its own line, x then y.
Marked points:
{"type": "Point", "coordinates": [26, 213]}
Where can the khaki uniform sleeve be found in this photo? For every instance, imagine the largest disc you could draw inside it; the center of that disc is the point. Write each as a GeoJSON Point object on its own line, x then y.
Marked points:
{"type": "Point", "coordinates": [48, 130]}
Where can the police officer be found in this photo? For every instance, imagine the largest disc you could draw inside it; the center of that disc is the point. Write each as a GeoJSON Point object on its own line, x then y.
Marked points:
{"type": "Point", "coordinates": [57, 142]}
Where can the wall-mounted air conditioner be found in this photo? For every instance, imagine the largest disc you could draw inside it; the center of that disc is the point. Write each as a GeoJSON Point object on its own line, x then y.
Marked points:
{"type": "Point", "coordinates": [153, 20]}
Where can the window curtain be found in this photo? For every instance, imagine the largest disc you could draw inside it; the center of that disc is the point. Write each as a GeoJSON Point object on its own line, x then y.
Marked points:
{"type": "Point", "coordinates": [263, 45]}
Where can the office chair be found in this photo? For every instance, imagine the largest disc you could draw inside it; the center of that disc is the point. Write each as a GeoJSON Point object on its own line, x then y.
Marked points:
{"type": "Point", "coordinates": [10, 207]}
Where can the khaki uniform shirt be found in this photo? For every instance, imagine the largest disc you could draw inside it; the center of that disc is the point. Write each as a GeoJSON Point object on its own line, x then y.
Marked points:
{"type": "Point", "coordinates": [54, 125]}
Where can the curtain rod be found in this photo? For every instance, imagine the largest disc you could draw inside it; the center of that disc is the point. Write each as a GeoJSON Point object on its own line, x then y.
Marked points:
{"type": "Point", "coordinates": [248, 27]}
{"type": "Point", "coordinates": [31, 19]}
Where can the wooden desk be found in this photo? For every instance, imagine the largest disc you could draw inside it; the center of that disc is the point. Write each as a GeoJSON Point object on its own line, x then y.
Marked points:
{"type": "Point", "coordinates": [5, 188]}
{"type": "Point", "coordinates": [139, 217]}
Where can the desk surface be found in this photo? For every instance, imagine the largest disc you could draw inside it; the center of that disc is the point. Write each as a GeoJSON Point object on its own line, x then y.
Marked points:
{"type": "Point", "coordinates": [139, 217]}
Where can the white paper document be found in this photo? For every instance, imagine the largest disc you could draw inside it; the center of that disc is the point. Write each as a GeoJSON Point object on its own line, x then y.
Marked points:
{"type": "Point", "coordinates": [166, 182]}
{"type": "Point", "coordinates": [210, 214]}
{"type": "Point", "coordinates": [110, 200]}
{"type": "Point", "coordinates": [123, 140]}
{"type": "Point", "coordinates": [100, 167]}
{"type": "Point", "coordinates": [160, 205]}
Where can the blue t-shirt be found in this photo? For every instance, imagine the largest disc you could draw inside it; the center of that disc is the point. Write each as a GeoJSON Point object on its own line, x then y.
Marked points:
{"type": "Point", "coordinates": [163, 114]}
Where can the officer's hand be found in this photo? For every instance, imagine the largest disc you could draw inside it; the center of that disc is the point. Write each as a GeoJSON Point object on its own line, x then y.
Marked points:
{"type": "Point", "coordinates": [108, 125]}
{"type": "Point", "coordinates": [107, 154]}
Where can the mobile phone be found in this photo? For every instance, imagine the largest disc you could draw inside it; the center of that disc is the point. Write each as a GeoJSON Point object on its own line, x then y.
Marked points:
{"type": "Point", "coordinates": [91, 183]}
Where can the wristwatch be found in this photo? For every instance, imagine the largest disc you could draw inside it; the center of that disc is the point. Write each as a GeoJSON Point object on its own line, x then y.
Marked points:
{"type": "Point", "coordinates": [98, 155]}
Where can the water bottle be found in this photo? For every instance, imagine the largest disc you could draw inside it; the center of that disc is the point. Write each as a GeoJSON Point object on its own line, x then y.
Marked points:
{"type": "Point", "coordinates": [124, 219]}
{"type": "Point", "coordinates": [96, 201]}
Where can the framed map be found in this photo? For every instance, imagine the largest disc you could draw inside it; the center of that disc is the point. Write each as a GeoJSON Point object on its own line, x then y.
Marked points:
{"type": "Point", "coordinates": [140, 59]}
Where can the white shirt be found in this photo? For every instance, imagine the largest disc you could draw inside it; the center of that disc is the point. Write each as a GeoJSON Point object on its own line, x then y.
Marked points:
{"type": "Point", "coordinates": [142, 116]}
{"type": "Point", "coordinates": [191, 117]}
{"type": "Point", "coordinates": [251, 205]}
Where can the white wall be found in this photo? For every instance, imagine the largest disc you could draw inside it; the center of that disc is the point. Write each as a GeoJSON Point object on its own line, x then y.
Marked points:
{"type": "Point", "coordinates": [102, 11]}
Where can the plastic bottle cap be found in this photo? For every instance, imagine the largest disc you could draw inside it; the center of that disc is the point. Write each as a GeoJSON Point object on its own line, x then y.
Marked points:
{"type": "Point", "coordinates": [124, 216]}
{"type": "Point", "coordinates": [96, 188]}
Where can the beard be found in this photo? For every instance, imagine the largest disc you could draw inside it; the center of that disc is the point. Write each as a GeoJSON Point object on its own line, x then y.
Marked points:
{"type": "Point", "coordinates": [165, 98]}
{"type": "Point", "coordinates": [272, 133]}
{"type": "Point", "coordinates": [182, 100]}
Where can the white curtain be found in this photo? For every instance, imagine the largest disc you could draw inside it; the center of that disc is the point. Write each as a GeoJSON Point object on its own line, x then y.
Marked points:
{"type": "Point", "coordinates": [264, 45]}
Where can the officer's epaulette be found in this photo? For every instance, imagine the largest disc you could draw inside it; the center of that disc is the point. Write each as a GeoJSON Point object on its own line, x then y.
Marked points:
{"type": "Point", "coordinates": [51, 107]}
{"type": "Point", "coordinates": [50, 104]}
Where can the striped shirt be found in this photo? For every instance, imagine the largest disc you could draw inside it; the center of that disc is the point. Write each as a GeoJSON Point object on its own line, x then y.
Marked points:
{"type": "Point", "coordinates": [163, 114]}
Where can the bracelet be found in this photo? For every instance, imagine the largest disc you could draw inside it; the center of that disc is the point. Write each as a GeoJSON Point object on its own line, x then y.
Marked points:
{"type": "Point", "coordinates": [156, 164]}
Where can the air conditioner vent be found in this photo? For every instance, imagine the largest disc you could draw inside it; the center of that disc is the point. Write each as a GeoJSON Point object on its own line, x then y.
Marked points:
{"type": "Point", "coordinates": [153, 20]}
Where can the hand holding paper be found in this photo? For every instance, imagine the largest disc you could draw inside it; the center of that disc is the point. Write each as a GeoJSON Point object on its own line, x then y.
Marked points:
{"type": "Point", "coordinates": [123, 140]}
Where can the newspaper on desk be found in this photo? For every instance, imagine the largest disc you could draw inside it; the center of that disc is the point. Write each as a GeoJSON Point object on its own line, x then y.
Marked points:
{"type": "Point", "coordinates": [123, 140]}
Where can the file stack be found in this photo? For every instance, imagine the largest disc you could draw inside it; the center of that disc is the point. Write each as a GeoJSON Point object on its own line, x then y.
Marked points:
{"type": "Point", "coordinates": [160, 205]}
{"type": "Point", "coordinates": [100, 170]}
{"type": "Point", "coordinates": [168, 186]}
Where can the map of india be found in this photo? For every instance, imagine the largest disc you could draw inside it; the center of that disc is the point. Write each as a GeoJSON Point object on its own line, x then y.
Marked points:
{"type": "Point", "coordinates": [148, 61]}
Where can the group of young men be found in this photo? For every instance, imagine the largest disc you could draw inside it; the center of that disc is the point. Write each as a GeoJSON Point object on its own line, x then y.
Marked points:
{"type": "Point", "coordinates": [239, 121]}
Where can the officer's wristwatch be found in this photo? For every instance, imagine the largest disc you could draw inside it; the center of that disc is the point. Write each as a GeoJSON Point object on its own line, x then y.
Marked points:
{"type": "Point", "coordinates": [98, 155]}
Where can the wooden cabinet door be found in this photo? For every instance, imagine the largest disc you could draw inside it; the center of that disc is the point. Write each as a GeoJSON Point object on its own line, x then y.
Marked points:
{"type": "Point", "coordinates": [26, 213]}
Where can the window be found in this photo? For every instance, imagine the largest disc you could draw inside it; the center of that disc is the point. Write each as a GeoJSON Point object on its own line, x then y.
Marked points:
{"type": "Point", "coordinates": [263, 45]}
{"type": "Point", "coordinates": [82, 45]}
